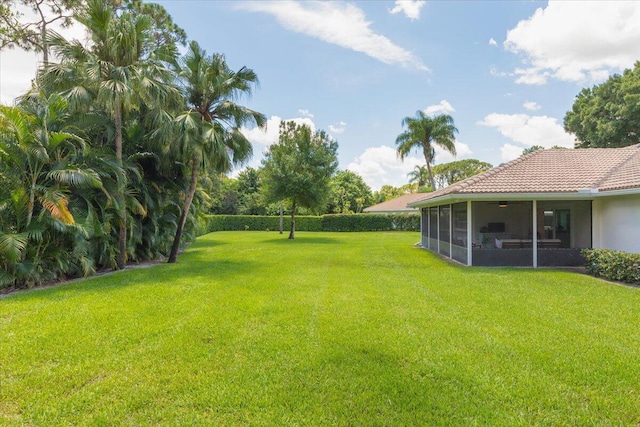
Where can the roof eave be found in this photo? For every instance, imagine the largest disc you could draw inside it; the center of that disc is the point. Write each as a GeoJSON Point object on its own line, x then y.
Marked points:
{"type": "Point", "coordinates": [409, 210]}
{"type": "Point", "coordinates": [589, 194]}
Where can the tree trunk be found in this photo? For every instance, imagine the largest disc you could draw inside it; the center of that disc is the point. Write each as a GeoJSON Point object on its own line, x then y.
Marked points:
{"type": "Point", "coordinates": [43, 34]}
{"type": "Point", "coordinates": [121, 259]}
{"type": "Point", "coordinates": [32, 201]}
{"type": "Point", "coordinates": [428, 159]}
{"type": "Point", "coordinates": [45, 47]}
{"type": "Point", "coordinates": [293, 220]}
{"type": "Point", "coordinates": [281, 217]}
{"type": "Point", "coordinates": [173, 256]}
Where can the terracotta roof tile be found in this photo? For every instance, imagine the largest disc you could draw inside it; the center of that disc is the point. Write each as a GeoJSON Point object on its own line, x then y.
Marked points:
{"type": "Point", "coordinates": [399, 204]}
{"type": "Point", "coordinates": [556, 171]}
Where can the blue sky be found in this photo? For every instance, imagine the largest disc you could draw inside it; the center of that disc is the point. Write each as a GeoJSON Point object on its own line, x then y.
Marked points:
{"type": "Point", "coordinates": [506, 71]}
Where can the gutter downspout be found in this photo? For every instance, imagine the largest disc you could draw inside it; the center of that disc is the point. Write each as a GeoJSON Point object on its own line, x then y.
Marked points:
{"type": "Point", "coordinates": [469, 235]}
{"type": "Point", "coordinates": [534, 235]}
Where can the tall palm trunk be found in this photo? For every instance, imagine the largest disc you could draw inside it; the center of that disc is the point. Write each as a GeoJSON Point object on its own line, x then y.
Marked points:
{"type": "Point", "coordinates": [32, 200]}
{"type": "Point", "coordinates": [121, 259]}
{"type": "Point", "coordinates": [427, 157]}
{"type": "Point", "coordinates": [431, 178]}
{"type": "Point", "coordinates": [185, 210]}
{"type": "Point", "coordinates": [293, 220]}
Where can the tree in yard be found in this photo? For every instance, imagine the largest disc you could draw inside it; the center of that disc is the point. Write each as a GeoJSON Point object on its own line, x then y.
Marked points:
{"type": "Point", "coordinates": [388, 192]}
{"type": "Point", "coordinates": [16, 32]}
{"type": "Point", "coordinates": [424, 133]}
{"type": "Point", "coordinates": [208, 135]}
{"type": "Point", "coordinates": [224, 196]}
{"type": "Point", "coordinates": [449, 173]}
{"type": "Point", "coordinates": [419, 176]}
{"type": "Point", "coordinates": [250, 199]}
{"type": "Point", "coordinates": [299, 168]}
{"type": "Point", "coordinates": [349, 193]}
{"type": "Point", "coordinates": [607, 115]}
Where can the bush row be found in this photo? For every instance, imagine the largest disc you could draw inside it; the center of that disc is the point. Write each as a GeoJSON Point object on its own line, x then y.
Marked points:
{"type": "Point", "coordinates": [359, 222]}
{"type": "Point", "coordinates": [613, 265]}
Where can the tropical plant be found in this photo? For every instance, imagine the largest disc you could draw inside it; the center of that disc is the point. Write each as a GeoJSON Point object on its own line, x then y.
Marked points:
{"type": "Point", "coordinates": [208, 134]}
{"type": "Point", "coordinates": [419, 175]}
{"type": "Point", "coordinates": [117, 73]}
{"type": "Point", "coordinates": [43, 164]}
{"type": "Point", "coordinates": [424, 133]}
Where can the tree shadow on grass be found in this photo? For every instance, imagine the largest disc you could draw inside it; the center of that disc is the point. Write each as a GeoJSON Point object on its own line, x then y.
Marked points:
{"type": "Point", "coordinates": [160, 274]}
{"type": "Point", "coordinates": [283, 240]}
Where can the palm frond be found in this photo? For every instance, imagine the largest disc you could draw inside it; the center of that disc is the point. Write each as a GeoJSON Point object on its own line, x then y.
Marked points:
{"type": "Point", "coordinates": [57, 206]}
{"type": "Point", "coordinates": [13, 245]}
{"type": "Point", "coordinates": [76, 177]}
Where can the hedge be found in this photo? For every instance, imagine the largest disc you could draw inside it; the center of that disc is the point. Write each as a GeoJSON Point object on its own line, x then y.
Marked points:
{"type": "Point", "coordinates": [259, 222]}
{"type": "Point", "coordinates": [613, 265]}
{"type": "Point", "coordinates": [370, 222]}
{"type": "Point", "coordinates": [357, 222]}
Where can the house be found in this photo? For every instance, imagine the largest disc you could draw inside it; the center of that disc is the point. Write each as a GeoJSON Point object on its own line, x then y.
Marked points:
{"type": "Point", "coordinates": [541, 209]}
{"type": "Point", "coordinates": [397, 205]}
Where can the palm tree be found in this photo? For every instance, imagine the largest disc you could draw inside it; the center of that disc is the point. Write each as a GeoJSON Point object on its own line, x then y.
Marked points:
{"type": "Point", "coordinates": [209, 133]}
{"type": "Point", "coordinates": [419, 175]}
{"type": "Point", "coordinates": [117, 72]}
{"type": "Point", "coordinates": [422, 133]}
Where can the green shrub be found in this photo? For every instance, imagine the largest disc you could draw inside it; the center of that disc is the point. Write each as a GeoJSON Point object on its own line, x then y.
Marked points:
{"type": "Point", "coordinates": [613, 265]}
{"type": "Point", "coordinates": [370, 222]}
{"type": "Point", "coordinates": [315, 223]}
{"type": "Point", "coordinates": [260, 223]}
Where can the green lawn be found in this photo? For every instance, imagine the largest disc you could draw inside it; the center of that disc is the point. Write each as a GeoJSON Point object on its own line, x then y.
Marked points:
{"type": "Point", "coordinates": [250, 328]}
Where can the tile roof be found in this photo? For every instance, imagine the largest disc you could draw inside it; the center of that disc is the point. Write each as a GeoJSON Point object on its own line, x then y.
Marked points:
{"type": "Point", "coordinates": [555, 170]}
{"type": "Point", "coordinates": [399, 204]}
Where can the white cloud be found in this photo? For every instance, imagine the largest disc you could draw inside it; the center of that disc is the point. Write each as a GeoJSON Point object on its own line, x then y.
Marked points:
{"type": "Point", "coordinates": [527, 131]}
{"type": "Point", "coordinates": [510, 152]}
{"type": "Point", "coordinates": [410, 8]}
{"type": "Point", "coordinates": [496, 73]}
{"type": "Point", "coordinates": [380, 166]}
{"type": "Point", "coordinates": [442, 108]}
{"type": "Point", "coordinates": [492, 42]}
{"type": "Point", "coordinates": [342, 24]}
{"type": "Point", "coordinates": [262, 139]}
{"type": "Point", "coordinates": [442, 156]}
{"type": "Point", "coordinates": [338, 128]}
{"type": "Point", "coordinates": [259, 137]}
{"type": "Point", "coordinates": [17, 69]}
{"type": "Point", "coordinates": [531, 106]}
{"type": "Point", "coordinates": [306, 113]}
{"type": "Point", "coordinates": [576, 41]}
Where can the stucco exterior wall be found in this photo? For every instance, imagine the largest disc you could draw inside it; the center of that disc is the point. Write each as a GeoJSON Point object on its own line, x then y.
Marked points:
{"type": "Point", "coordinates": [616, 223]}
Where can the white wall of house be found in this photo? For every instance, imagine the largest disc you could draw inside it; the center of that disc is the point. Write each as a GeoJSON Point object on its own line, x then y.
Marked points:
{"type": "Point", "coordinates": [616, 223]}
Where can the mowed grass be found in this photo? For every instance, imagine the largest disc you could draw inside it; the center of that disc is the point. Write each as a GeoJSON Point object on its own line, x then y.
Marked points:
{"type": "Point", "coordinates": [250, 328]}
